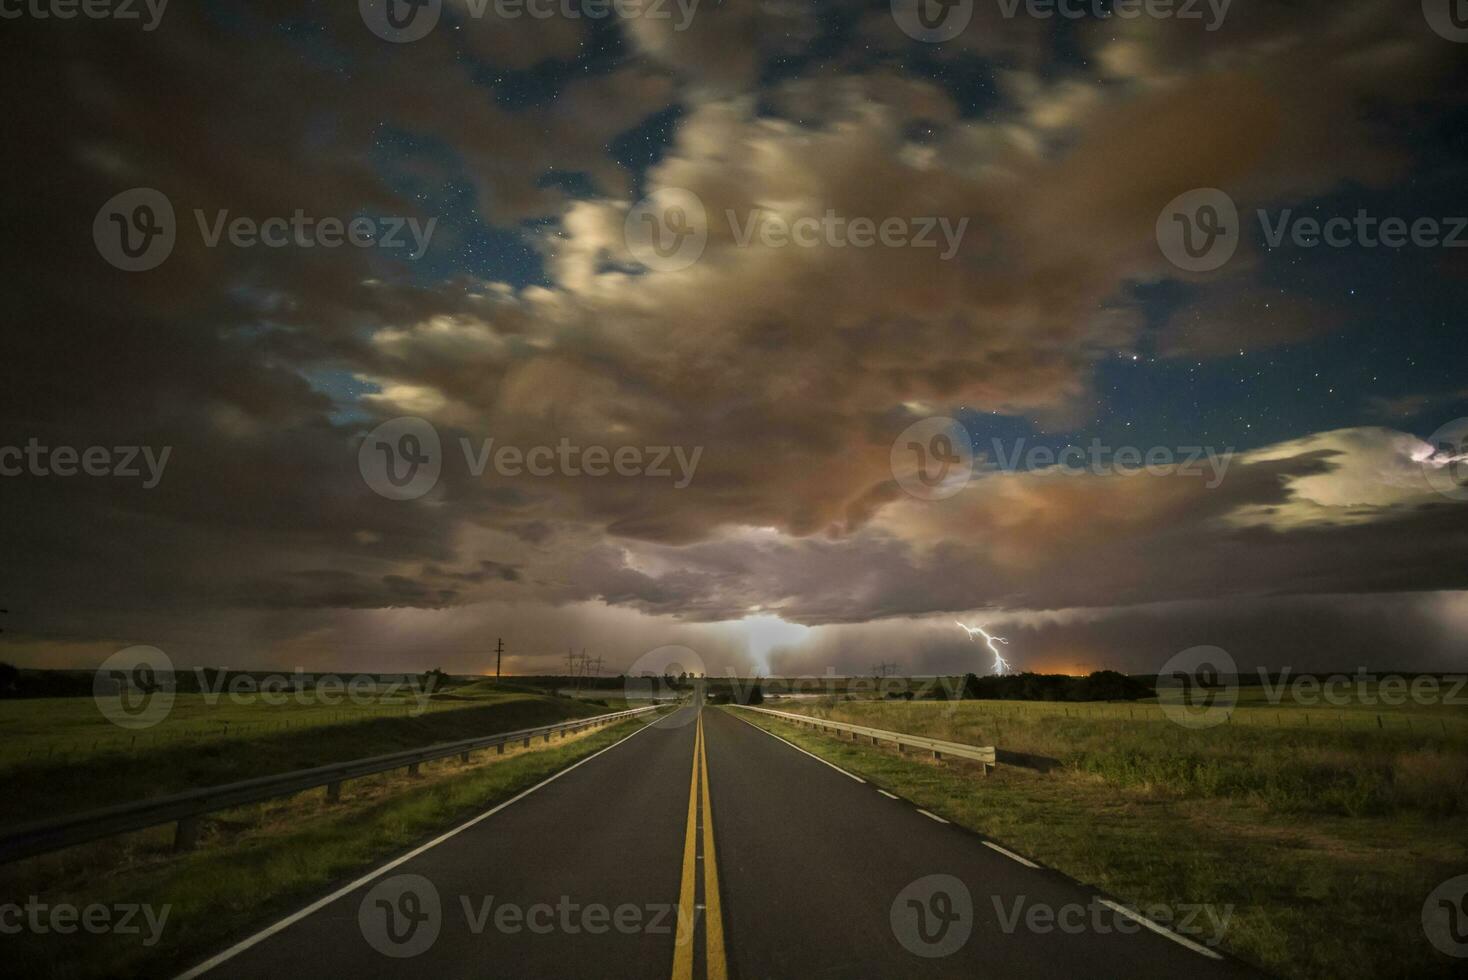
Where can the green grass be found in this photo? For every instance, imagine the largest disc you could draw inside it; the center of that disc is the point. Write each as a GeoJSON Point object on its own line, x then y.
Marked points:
{"type": "Point", "coordinates": [1324, 843]}
{"type": "Point", "coordinates": [263, 861]}
{"type": "Point", "coordinates": [263, 740]}
{"type": "Point", "coordinates": [1290, 767]}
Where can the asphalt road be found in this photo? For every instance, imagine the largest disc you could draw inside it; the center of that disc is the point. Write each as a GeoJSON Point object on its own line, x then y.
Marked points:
{"type": "Point", "coordinates": [783, 866]}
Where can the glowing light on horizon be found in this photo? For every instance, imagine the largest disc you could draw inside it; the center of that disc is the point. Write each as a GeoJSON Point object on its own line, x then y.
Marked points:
{"type": "Point", "coordinates": [765, 633]}
{"type": "Point", "coordinates": [1001, 666]}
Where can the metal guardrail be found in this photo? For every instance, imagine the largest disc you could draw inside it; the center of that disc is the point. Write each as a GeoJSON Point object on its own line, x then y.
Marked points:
{"type": "Point", "coordinates": [985, 754]}
{"type": "Point", "coordinates": [186, 808]}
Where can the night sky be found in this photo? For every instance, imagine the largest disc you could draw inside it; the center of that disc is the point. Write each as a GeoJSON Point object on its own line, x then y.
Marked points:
{"type": "Point", "coordinates": [1329, 541]}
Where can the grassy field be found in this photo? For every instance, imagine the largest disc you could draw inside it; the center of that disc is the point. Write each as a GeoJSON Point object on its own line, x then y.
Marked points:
{"type": "Point", "coordinates": [66, 757]}
{"type": "Point", "coordinates": [1324, 838]}
{"type": "Point", "coordinates": [258, 862]}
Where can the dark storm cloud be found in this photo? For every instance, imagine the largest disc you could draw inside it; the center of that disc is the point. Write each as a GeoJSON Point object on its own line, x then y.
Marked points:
{"type": "Point", "coordinates": [792, 369]}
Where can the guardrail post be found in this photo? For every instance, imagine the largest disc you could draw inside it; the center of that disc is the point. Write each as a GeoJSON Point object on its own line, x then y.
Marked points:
{"type": "Point", "coordinates": [187, 834]}
{"type": "Point", "coordinates": [527, 741]}
{"type": "Point", "coordinates": [334, 792]}
{"type": "Point", "coordinates": [464, 757]}
{"type": "Point", "coordinates": [937, 754]}
{"type": "Point", "coordinates": [499, 749]}
{"type": "Point", "coordinates": [412, 769]}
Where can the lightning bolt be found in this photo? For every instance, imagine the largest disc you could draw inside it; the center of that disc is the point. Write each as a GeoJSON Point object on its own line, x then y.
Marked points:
{"type": "Point", "coordinates": [1001, 666]}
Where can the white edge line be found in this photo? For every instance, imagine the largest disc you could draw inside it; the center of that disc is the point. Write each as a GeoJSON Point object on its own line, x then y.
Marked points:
{"type": "Point", "coordinates": [931, 816]}
{"type": "Point", "coordinates": [890, 796]}
{"type": "Point", "coordinates": [321, 903]}
{"type": "Point", "coordinates": [848, 775]}
{"type": "Point", "coordinates": [1160, 930]}
{"type": "Point", "coordinates": [1010, 854]}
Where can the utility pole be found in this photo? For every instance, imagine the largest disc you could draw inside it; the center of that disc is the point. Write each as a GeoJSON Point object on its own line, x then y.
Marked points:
{"type": "Point", "coordinates": [499, 649]}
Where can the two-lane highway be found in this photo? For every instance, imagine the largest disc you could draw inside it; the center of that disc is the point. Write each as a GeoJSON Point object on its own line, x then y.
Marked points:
{"type": "Point", "coordinates": [701, 847]}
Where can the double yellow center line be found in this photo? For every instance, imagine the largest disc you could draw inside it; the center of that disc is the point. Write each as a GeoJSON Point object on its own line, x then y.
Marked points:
{"type": "Point", "coordinates": [715, 965]}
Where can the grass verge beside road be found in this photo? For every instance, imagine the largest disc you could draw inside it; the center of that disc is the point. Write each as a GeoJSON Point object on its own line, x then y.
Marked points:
{"type": "Point", "coordinates": [263, 861]}
{"type": "Point", "coordinates": [1315, 892]}
{"type": "Point", "coordinates": [267, 740]}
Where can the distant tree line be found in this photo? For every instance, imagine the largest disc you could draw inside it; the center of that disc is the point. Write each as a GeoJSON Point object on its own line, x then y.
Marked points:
{"type": "Point", "coordinates": [1100, 685]}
